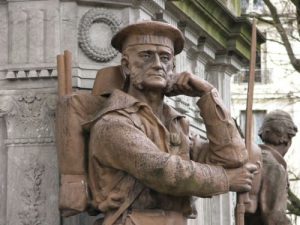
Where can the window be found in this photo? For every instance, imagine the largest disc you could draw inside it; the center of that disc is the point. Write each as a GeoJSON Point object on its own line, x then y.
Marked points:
{"type": "Point", "coordinates": [252, 5]}
{"type": "Point", "coordinates": [261, 75]}
{"type": "Point", "coordinates": [245, 76]}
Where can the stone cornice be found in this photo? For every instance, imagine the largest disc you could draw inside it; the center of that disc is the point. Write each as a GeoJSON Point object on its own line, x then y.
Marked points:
{"type": "Point", "coordinates": [215, 20]}
{"type": "Point", "coordinates": [102, 2]}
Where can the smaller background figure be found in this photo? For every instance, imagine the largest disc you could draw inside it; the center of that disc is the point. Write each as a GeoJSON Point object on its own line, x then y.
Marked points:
{"type": "Point", "coordinates": [276, 132]}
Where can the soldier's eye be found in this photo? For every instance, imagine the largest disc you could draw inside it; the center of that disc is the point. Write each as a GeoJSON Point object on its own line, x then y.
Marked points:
{"type": "Point", "coordinates": [165, 58]}
{"type": "Point", "coordinates": [145, 55]}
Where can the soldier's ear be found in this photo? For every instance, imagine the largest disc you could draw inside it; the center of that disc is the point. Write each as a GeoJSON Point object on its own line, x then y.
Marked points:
{"type": "Point", "coordinates": [124, 65]}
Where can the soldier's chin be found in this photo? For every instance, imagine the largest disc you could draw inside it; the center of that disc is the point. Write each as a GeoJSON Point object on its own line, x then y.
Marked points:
{"type": "Point", "coordinates": [169, 90]}
{"type": "Point", "coordinates": [157, 84]}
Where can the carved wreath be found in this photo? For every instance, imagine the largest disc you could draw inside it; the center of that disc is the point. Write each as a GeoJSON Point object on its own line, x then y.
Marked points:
{"type": "Point", "coordinates": [92, 16]}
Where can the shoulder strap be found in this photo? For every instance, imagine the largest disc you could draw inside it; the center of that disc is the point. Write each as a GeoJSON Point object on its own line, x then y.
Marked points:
{"type": "Point", "coordinates": [137, 190]}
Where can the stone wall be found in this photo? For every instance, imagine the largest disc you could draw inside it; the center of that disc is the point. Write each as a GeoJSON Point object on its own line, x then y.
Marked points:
{"type": "Point", "coordinates": [33, 32]}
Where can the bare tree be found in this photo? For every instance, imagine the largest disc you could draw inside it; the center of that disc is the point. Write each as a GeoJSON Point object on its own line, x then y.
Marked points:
{"type": "Point", "coordinates": [277, 23]}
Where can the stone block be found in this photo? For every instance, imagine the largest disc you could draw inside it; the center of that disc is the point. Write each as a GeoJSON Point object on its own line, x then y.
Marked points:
{"type": "Point", "coordinates": [32, 196]}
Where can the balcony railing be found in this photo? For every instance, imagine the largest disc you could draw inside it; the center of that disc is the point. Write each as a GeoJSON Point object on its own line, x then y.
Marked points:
{"type": "Point", "coordinates": [261, 76]}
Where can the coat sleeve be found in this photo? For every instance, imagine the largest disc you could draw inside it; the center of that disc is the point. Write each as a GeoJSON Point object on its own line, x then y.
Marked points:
{"type": "Point", "coordinates": [226, 147]}
{"type": "Point", "coordinates": [118, 144]}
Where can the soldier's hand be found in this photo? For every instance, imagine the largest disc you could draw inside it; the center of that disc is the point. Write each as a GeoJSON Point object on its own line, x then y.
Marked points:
{"type": "Point", "coordinates": [113, 201]}
{"type": "Point", "coordinates": [188, 84]}
{"type": "Point", "coordinates": [240, 179]}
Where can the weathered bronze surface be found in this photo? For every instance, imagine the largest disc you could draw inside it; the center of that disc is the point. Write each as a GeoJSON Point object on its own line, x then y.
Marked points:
{"type": "Point", "coordinates": [143, 164]}
{"type": "Point", "coordinates": [276, 132]}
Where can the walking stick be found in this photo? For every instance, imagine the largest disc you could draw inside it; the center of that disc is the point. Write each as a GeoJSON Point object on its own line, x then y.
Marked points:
{"type": "Point", "coordinates": [243, 198]}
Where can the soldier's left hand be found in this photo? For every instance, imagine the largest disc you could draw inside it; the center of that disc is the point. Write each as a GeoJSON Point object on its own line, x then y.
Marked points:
{"type": "Point", "coordinates": [189, 84]}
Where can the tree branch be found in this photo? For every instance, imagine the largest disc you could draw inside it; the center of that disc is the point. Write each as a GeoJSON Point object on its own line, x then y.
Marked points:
{"type": "Point", "coordinates": [297, 5]}
{"type": "Point", "coordinates": [293, 204]}
{"type": "Point", "coordinates": [278, 25]}
{"type": "Point", "coordinates": [298, 19]}
{"type": "Point", "coordinates": [296, 177]}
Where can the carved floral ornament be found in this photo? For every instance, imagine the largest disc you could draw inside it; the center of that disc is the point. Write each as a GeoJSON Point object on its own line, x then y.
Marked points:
{"type": "Point", "coordinates": [32, 196]}
{"type": "Point", "coordinates": [29, 117]}
{"type": "Point", "coordinates": [97, 15]}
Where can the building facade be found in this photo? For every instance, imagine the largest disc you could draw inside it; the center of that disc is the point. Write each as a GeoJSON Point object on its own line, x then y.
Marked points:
{"type": "Point", "coordinates": [33, 32]}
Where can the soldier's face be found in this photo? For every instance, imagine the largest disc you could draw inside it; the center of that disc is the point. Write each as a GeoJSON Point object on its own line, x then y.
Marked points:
{"type": "Point", "coordinates": [286, 148]}
{"type": "Point", "coordinates": [150, 66]}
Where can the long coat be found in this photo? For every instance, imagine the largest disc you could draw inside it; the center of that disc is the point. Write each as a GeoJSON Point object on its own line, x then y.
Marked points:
{"type": "Point", "coordinates": [129, 145]}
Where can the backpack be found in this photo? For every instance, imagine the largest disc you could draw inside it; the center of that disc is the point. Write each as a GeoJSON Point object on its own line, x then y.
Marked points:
{"type": "Point", "coordinates": [72, 140]}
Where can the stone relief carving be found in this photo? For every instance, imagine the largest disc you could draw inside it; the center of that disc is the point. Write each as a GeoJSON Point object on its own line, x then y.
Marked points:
{"type": "Point", "coordinates": [32, 195]}
{"type": "Point", "coordinates": [30, 117]}
{"type": "Point", "coordinates": [91, 17]}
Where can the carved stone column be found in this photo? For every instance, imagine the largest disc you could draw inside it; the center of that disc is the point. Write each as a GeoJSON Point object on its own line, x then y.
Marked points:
{"type": "Point", "coordinates": [219, 74]}
{"type": "Point", "coordinates": [28, 148]}
{"type": "Point", "coordinates": [3, 173]}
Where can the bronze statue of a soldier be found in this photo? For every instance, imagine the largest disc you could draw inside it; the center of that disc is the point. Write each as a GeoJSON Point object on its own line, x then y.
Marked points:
{"type": "Point", "coordinates": [276, 132]}
{"type": "Point", "coordinates": [143, 167]}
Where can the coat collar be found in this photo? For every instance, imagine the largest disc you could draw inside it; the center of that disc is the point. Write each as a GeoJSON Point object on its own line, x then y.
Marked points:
{"type": "Point", "coordinates": [118, 100]}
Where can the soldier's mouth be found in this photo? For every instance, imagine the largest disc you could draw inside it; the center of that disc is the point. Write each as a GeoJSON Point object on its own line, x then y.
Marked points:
{"type": "Point", "coordinates": [157, 75]}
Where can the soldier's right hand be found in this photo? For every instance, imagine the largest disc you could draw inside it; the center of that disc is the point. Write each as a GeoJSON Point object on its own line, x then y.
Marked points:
{"type": "Point", "coordinates": [113, 201]}
{"type": "Point", "coordinates": [240, 179]}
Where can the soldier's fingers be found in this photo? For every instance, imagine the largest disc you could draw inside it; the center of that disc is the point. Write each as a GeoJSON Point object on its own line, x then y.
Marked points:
{"type": "Point", "coordinates": [185, 82]}
{"type": "Point", "coordinates": [180, 78]}
{"type": "Point", "coordinates": [251, 176]}
{"type": "Point", "coordinates": [251, 167]}
{"type": "Point", "coordinates": [116, 197]}
{"type": "Point", "coordinates": [180, 81]}
{"type": "Point", "coordinates": [258, 164]}
{"type": "Point", "coordinates": [249, 182]}
{"type": "Point", "coordinates": [247, 188]}
{"type": "Point", "coordinates": [114, 205]}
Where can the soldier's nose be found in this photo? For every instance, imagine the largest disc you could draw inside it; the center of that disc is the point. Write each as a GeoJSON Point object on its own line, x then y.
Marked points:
{"type": "Point", "coordinates": [157, 62]}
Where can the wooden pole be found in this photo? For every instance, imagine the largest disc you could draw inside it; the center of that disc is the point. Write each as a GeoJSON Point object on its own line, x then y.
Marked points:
{"type": "Point", "coordinates": [64, 73]}
{"type": "Point", "coordinates": [243, 198]}
{"type": "Point", "coordinates": [248, 136]}
{"type": "Point", "coordinates": [68, 71]}
{"type": "Point", "coordinates": [61, 79]}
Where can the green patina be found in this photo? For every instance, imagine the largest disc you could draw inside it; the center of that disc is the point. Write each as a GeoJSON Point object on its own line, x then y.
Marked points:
{"type": "Point", "coordinates": [237, 6]}
{"type": "Point", "coordinates": [231, 32]}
